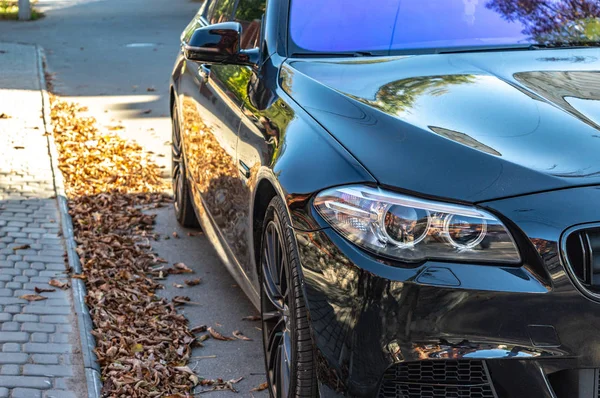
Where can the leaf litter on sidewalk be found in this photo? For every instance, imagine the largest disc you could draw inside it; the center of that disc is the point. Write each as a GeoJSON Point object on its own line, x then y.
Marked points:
{"type": "Point", "coordinates": [143, 344]}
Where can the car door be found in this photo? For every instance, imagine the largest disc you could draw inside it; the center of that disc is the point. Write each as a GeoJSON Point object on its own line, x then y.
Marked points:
{"type": "Point", "coordinates": [253, 140]}
{"type": "Point", "coordinates": [223, 180]}
{"type": "Point", "coordinates": [210, 113]}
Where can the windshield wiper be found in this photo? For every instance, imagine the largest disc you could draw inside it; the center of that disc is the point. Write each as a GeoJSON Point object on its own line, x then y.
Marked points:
{"type": "Point", "coordinates": [518, 47]}
{"type": "Point", "coordinates": [487, 49]}
{"type": "Point", "coordinates": [339, 55]}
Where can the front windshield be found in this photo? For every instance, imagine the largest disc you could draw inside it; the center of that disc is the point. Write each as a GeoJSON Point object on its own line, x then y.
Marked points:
{"type": "Point", "coordinates": [390, 25]}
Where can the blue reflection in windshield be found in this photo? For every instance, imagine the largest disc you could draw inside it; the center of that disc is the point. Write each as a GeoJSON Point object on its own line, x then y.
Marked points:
{"type": "Point", "coordinates": [359, 25]}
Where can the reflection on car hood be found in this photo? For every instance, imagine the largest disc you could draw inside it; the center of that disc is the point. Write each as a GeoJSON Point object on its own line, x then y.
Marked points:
{"type": "Point", "coordinates": [470, 127]}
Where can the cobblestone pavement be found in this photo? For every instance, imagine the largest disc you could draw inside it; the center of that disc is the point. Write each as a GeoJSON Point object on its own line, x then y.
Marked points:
{"type": "Point", "coordinates": [40, 355]}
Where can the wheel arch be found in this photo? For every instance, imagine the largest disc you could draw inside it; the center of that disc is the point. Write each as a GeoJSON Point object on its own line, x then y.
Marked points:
{"type": "Point", "coordinates": [264, 192]}
{"type": "Point", "coordinates": [171, 99]}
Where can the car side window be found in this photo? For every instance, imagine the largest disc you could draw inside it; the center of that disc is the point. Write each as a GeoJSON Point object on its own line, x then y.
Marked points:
{"type": "Point", "coordinates": [219, 11]}
{"type": "Point", "coordinates": [249, 14]}
{"type": "Point", "coordinates": [204, 8]}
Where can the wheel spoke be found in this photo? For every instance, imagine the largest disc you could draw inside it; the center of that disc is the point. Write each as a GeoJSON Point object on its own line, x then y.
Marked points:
{"type": "Point", "coordinates": [176, 154]}
{"type": "Point", "coordinates": [287, 346]}
{"type": "Point", "coordinates": [284, 373]}
{"type": "Point", "coordinates": [176, 169]}
{"type": "Point", "coordinates": [271, 316]}
{"type": "Point", "coordinates": [271, 287]}
{"type": "Point", "coordinates": [276, 371]}
{"type": "Point", "coordinates": [272, 293]}
{"type": "Point", "coordinates": [275, 335]}
{"type": "Point", "coordinates": [271, 248]}
{"type": "Point", "coordinates": [282, 274]}
{"type": "Point", "coordinates": [275, 311]}
{"type": "Point", "coordinates": [273, 345]}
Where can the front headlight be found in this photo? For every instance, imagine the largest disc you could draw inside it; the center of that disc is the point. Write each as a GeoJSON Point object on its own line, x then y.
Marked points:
{"type": "Point", "coordinates": [411, 229]}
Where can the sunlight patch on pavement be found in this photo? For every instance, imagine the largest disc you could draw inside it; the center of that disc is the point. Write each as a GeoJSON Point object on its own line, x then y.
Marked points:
{"type": "Point", "coordinates": [139, 118]}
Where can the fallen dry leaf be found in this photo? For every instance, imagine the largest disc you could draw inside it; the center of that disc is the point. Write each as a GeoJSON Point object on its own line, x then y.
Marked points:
{"type": "Point", "coordinates": [252, 318]}
{"type": "Point", "coordinates": [22, 247]}
{"type": "Point", "coordinates": [260, 387]}
{"type": "Point", "coordinates": [199, 329]}
{"type": "Point", "coordinates": [59, 284]}
{"type": "Point", "coordinates": [218, 336]}
{"type": "Point", "coordinates": [4, 116]}
{"type": "Point", "coordinates": [219, 385]}
{"type": "Point", "coordinates": [175, 235]}
{"type": "Point", "coordinates": [147, 111]}
{"type": "Point", "coordinates": [79, 276]}
{"type": "Point", "coordinates": [150, 89]}
{"type": "Point", "coordinates": [240, 336]}
{"type": "Point", "coordinates": [204, 337]}
{"type": "Point", "coordinates": [181, 268]}
{"type": "Point", "coordinates": [178, 286]}
{"type": "Point", "coordinates": [180, 300]}
{"type": "Point", "coordinates": [42, 290]}
{"type": "Point", "coordinates": [192, 282]}
{"type": "Point", "coordinates": [140, 338]}
{"type": "Point", "coordinates": [33, 297]}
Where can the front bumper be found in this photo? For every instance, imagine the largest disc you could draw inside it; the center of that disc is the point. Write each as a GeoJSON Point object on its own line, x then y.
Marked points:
{"type": "Point", "coordinates": [535, 333]}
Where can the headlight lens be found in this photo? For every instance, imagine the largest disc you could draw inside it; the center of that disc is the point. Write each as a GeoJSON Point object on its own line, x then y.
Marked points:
{"type": "Point", "coordinates": [411, 229]}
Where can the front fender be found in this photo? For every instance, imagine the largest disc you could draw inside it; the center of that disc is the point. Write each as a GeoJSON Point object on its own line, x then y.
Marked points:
{"type": "Point", "coordinates": [308, 161]}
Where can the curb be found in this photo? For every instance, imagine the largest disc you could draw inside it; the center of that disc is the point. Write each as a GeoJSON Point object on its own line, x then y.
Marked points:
{"type": "Point", "coordinates": [88, 343]}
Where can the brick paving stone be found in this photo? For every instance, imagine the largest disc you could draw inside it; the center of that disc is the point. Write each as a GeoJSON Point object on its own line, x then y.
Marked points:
{"type": "Point", "coordinates": [64, 328]}
{"type": "Point", "coordinates": [38, 341]}
{"type": "Point", "coordinates": [60, 338]}
{"type": "Point", "coordinates": [54, 319]}
{"type": "Point", "coordinates": [12, 309]}
{"type": "Point", "coordinates": [13, 337]}
{"type": "Point", "coordinates": [14, 285]}
{"type": "Point", "coordinates": [45, 359]}
{"type": "Point", "coordinates": [11, 326]}
{"type": "Point", "coordinates": [50, 348]}
{"type": "Point", "coordinates": [11, 347]}
{"type": "Point", "coordinates": [41, 383]}
{"type": "Point", "coordinates": [59, 394]}
{"type": "Point", "coordinates": [10, 370]}
{"type": "Point", "coordinates": [13, 358]}
{"type": "Point", "coordinates": [41, 338]}
{"type": "Point", "coordinates": [26, 393]}
{"type": "Point", "coordinates": [47, 370]}
{"type": "Point", "coordinates": [38, 327]}
{"type": "Point", "coordinates": [26, 318]}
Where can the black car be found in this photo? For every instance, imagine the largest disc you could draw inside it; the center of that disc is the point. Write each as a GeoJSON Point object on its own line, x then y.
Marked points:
{"type": "Point", "coordinates": [408, 190]}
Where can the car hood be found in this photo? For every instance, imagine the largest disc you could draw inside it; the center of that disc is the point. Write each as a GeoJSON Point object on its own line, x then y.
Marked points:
{"type": "Point", "coordinates": [470, 127]}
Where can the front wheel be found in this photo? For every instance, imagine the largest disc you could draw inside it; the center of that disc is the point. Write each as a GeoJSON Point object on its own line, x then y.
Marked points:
{"type": "Point", "coordinates": [288, 348]}
{"type": "Point", "coordinates": [182, 199]}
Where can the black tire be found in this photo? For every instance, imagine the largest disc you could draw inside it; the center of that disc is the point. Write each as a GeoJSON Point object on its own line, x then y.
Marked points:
{"type": "Point", "coordinates": [182, 198]}
{"type": "Point", "coordinates": [286, 315]}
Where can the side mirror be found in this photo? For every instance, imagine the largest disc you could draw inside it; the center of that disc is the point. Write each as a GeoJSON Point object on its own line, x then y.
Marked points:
{"type": "Point", "coordinates": [219, 44]}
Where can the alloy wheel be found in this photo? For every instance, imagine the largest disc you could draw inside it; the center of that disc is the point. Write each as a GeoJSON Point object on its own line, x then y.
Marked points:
{"type": "Point", "coordinates": [177, 167]}
{"type": "Point", "coordinates": [276, 322]}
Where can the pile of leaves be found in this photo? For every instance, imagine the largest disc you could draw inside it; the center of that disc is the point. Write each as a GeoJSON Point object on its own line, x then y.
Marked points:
{"type": "Point", "coordinates": [143, 344]}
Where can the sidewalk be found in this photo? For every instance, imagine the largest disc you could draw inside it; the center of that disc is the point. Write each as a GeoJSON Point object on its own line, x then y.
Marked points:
{"type": "Point", "coordinates": [40, 349]}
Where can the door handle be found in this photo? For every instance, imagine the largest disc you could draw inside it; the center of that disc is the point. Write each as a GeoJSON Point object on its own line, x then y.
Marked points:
{"type": "Point", "coordinates": [204, 72]}
{"type": "Point", "coordinates": [244, 169]}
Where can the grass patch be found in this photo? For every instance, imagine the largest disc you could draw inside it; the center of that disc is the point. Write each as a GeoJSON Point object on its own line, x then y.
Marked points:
{"type": "Point", "coordinates": [9, 10]}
